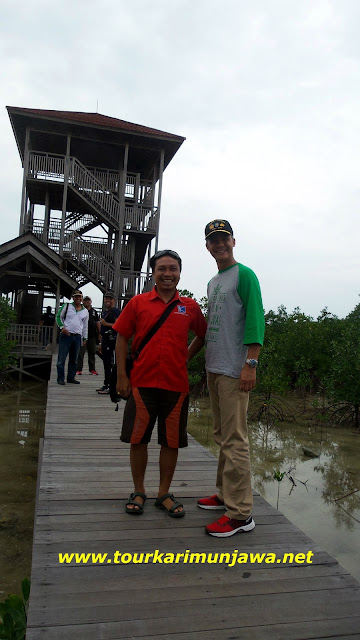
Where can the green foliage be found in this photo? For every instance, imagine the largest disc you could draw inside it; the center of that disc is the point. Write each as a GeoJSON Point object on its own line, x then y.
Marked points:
{"type": "Point", "coordinates": [296, 353]}
{"type": "Point", "coordinates": [302, 355]}
{"type": "Point", "coordinates": [343, 377]}
{"type": "Point", "coordinates": [278, 475]}
{"type": "Point", "coordinates": [184, 293]}
{"type": "Point", "coordinates": [7, 315]}
{"type": "Point", "coordinates": [13, 614]}
{"type": "Point", "coordinates": [196, 366]}
{"type": "Point", "coordinates": [308, 356]}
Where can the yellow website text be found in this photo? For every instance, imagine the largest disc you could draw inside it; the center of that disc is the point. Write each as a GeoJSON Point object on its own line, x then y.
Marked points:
{"type": "Point", "coordinates": [157, 557]}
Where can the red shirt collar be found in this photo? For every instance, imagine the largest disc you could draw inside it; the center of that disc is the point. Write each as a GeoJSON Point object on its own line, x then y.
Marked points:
{"type": "Point", "coordinates": [154, 294]}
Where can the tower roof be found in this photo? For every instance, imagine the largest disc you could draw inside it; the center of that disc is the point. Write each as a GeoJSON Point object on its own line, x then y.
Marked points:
{"type": "Point", "coordinates": [94, 119]}
{"type": "Point", "coordinates": [92, 126]}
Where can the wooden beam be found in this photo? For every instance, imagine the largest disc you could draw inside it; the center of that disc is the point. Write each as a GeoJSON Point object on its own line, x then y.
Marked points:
{"type": "Point", "coordinates": [161, 171]}
{"type": "Point", "coordinates": [23, 195]}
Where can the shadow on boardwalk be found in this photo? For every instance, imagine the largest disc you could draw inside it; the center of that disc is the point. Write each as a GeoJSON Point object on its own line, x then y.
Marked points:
{"type": "Point", "coordinates": [85, 477]}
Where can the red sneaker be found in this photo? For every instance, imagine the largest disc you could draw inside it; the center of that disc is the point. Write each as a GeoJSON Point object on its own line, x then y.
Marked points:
{"type": "Point", "coordinates": [225, 527]}
{"type": "Point", "coordinates": [94, 373]}
{"type": "Point", "coordinates": [79, 373]}
{"type": "Point", "coordinates": [211, 503]}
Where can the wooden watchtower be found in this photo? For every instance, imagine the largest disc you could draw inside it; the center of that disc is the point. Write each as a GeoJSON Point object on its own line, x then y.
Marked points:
{"type": "Point", "coordinates": [91, 193]}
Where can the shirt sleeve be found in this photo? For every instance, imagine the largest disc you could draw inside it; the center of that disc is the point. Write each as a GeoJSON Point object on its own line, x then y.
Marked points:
{"type": "Point", "coordinates": [85, 326]}
{"type": "Point", "coordinates": [198, 323]}
{"type": "Point", "coordinates": [250, 294]}
{"type": "Point", "coordinates": [126, 322]}
{"type": "Point", "coordinates": [59, 315]}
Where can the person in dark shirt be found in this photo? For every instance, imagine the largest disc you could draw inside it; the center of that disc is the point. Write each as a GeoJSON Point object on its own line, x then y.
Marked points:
{"type": "Point", "coordinates": [47, 320]}
{"type": "Point", "coordinates": [108, 338]}
{"type": "Point", "coordinates": [92, 341]}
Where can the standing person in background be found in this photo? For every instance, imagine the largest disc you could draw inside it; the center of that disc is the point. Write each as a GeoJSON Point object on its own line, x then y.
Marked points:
{"type": "Point", "coordinates": [47, 320]}
{"type": "Point", "coordinates": [107, 338]}
{"type": "Point", "coordinates": [234, 337]}
{"type": "Point", "coordinates": [72, 320]}
{"type": "Point", "coordinates": [93, 337]}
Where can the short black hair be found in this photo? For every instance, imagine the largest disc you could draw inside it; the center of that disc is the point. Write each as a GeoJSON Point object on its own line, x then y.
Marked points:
{"type": "Point", "coordinates": [162, 254]}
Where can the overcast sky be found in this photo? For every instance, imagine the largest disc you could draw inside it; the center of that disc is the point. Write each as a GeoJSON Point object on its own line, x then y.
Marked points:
{"type": "Point", "coordinates": [267, 94]}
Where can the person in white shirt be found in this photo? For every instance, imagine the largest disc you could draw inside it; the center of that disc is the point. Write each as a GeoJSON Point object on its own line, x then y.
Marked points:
{"type": "Point", "coordinates": [72, 320]}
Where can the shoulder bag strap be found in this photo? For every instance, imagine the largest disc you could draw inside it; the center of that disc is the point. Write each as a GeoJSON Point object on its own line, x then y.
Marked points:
{"type": "Point", "coordinates": [156, 326]}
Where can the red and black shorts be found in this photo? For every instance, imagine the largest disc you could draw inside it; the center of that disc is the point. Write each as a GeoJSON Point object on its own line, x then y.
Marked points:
{"type": "Point", "coordinates": [145, 405]}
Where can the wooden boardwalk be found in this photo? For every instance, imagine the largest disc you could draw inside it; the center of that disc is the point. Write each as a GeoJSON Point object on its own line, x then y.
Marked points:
{"type": "Point", "coordinates": [85, 477]}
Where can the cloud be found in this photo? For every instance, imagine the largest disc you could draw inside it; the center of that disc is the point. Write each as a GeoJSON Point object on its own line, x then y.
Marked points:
{"type": "Point", "coordinates": [267, 95]}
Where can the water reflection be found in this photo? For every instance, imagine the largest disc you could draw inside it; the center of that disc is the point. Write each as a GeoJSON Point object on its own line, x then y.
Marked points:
{"type": "Point", "coordinates": [321, 495]}
{"type": "Point", "coordinates": [22, 416]}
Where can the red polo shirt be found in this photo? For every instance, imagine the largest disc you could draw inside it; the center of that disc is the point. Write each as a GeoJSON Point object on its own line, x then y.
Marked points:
{"type": "Point", "coordinates": [162, 363]}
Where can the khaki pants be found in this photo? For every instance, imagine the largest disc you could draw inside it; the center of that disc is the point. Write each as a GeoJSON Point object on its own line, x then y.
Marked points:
{"type": "Point", "coordinates": [229, 408]}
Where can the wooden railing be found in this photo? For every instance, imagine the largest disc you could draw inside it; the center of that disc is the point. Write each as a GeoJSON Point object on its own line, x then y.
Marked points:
{"type": "Point", "coordinates": [93, 190]}
{"type": "Point", "coordinates": [139, 217]}
{"type": "Point", "coordinates": [47, 166]}
{"type": "Point", "coordinates": [27, 336]}
{"type": "Point", "coordinates": [98, 269]}
{"type": "Point", "coordinates": [53, 235]}
{"type": "Point", "coordinates": [133, 283]}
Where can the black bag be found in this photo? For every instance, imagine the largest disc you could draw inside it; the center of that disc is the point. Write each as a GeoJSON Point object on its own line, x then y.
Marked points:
{"type": "Point", "coordinates": [114, 396]}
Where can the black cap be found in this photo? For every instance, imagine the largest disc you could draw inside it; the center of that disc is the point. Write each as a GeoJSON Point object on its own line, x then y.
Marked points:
{"type": "Point", "coordinates": [109, 294]}
{"type": "Point", "coordinates": [218, 225]}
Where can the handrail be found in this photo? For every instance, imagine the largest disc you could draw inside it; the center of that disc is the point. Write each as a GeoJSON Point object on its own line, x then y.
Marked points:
{"type": "Point", "coordinates": [82, 254]}
{"type": "Point", "coordinates": [133, 283]}
{"type": "Point", "coordinates": [29, 335]}
{"type": "Point", "coordinates": [140, 217]}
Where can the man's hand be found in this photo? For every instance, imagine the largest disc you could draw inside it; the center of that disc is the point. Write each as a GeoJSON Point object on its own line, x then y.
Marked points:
{"type": "Point", "coordinates": [123, 386]}
{"type": "Point", "coordinates": [65, 331]}
{"type": "Point", "coordinates": [247, 378]}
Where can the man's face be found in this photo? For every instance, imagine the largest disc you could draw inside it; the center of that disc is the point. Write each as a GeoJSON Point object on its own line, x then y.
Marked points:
{"type": "Point", "coordinates": [87, 303]}
{"type": "Point", "coordinates": [109, 302]}
{"type": "Point", "coordinates": [220, 245]}
{"type": "Point", "coordinates": [77, 299]}
{"type": "Point", "coordinates": [166, 273]}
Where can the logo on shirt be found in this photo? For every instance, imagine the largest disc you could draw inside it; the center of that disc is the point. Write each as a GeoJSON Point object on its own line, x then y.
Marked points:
{"type": "Point", "coordinates": [181, 309]}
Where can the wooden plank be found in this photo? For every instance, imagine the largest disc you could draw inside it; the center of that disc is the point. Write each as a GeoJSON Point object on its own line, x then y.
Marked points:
{"type": "Point", "coordinates": [183, 615]}
{"type": "Point", "coordinates": [313, 630]}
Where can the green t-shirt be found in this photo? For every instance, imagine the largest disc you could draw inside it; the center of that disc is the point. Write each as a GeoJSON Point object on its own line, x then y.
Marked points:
{"type": "Point", "coordinates": [235, 319]}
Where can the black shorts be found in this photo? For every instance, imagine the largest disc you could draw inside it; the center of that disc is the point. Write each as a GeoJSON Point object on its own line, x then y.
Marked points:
{"type": "Point", "coordinates": [145, 405]}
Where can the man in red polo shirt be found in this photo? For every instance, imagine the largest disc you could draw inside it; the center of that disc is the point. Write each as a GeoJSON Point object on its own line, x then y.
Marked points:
{"type": "Point", "coordinates": [158, 387]}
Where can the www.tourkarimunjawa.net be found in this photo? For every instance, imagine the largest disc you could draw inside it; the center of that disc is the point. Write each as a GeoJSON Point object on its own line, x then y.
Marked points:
{"type": "Point", "coordinates": [187, 557]}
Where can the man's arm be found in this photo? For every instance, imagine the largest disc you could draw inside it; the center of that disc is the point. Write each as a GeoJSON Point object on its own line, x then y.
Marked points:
{"type": "Point", "coordinates": [85, 327]}
{"type": "Point", "coordinates": [59, 318]}
{"type": "Point", "coordinates": [248, 374]}
{"type": "Point", "coordinates": [123, 386]}
{"type": "Point", "coordinates": [194, 347]}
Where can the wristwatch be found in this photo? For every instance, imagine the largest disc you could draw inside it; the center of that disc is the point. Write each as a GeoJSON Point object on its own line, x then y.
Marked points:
{"type": "Point", "coordinates": [252, 362]}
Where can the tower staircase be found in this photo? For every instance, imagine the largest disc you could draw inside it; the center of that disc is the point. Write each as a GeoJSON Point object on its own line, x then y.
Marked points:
{"type": "Point", "coordinates": [94, 203]}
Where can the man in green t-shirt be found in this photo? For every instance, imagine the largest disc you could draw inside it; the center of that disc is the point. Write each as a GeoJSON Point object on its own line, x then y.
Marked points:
{"type": "Point", "coordinates": [234, 338]}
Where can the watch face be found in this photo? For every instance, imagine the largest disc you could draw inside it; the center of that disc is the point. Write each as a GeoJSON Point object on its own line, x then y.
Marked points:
{"type": "Point", "coordinates": [252, 362]}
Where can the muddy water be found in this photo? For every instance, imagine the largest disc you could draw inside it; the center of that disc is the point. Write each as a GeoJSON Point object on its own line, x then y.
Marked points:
{"type": "Point", "coordinates": [320, 495]}
{"type": "Point", "coordinates": [22, 417]}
